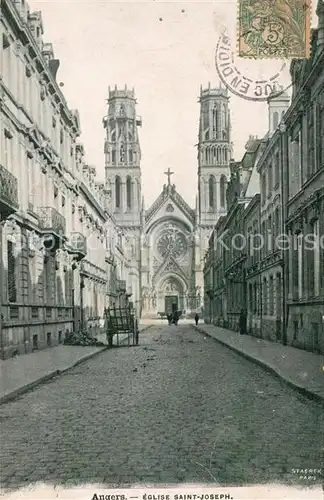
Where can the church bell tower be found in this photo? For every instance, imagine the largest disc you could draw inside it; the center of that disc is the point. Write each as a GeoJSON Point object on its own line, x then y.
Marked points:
{"type": "Point", "coordinates": [214, 155]}
{"type": "Point", "coordinates": [122, 157]}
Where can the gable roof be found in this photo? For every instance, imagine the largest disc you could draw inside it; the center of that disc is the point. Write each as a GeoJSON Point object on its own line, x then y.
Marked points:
{"type": "Point", "coordinates": [169, 193]}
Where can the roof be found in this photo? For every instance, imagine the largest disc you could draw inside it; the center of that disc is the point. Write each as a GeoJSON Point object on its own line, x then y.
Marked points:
{"type": "Point", "coordinates": [169, 192]}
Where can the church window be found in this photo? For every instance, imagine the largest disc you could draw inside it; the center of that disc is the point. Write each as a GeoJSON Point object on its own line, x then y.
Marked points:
{"type": "Point", "coordinates": [113, 136]}
{"type": "Point", "coordinates": [207, 135]}
{"type": "Point", "coordinates": [118, 191]}
{"type": "Point", "coordinates": [275, 120]}
{"type": "Point", "coordinates": [211, 191]}
{"type": "Point", "coordinates": [122, 153]}
{"type": "Point", "coordinates": [224, 124]}
{"type": "Point", "coordinates": [113, 156]}
{"type": "Point", "coordinates": [130, 156]}
{"type": "Point", "coordinates": [129, 192]}
{"type": "Point", "coordinates": [205, 116]}
{"type": "Point", "coordinates": [222, 191]}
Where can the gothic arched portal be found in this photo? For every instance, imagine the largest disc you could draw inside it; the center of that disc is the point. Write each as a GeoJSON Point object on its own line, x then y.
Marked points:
{"type": "Point", "coordinates": [171, 294]}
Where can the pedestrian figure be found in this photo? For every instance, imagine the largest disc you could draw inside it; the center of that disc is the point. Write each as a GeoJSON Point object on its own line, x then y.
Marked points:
{"type": "Point", "coordinates": [169, 316]}
{"type": "Point", "coordinates": [196, 318]}
{"type": "Point", "coordinates": [243, 319]}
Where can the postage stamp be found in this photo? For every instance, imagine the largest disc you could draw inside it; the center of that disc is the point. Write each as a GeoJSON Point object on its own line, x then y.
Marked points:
{"type": "Point", "coordinates": [274, 29]}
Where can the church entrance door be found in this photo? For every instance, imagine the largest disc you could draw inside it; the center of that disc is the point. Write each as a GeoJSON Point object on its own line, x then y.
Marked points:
{"type": "Point", "coordinates": [171, 304]}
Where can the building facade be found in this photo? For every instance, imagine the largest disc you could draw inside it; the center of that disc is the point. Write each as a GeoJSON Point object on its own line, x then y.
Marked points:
{"type": "Point", "coordinates": [284, 269]}
{"type": "Point", "coordinates": [59, 267]}
{"type": "Point", "coordinates": [214, 155]}
{"type": "Point", "coordinates": [304, 193]}
{"type": "Point", "coordinates": [271, 263]}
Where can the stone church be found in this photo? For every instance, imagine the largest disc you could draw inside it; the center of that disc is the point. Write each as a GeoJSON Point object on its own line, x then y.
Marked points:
{"type": "Point", "coordinates": [169, 238]}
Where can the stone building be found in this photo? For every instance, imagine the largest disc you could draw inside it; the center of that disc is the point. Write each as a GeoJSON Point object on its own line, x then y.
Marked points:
{"type": "Point", "coordinates": [168, 240]}
{"type": "Point", "coordinates": [123, 181]}
{"type": "Point", "coordinates": [304, 196]}
{"type": "Point", "coordinates": [55, 264]}
{"type": "Point", "coordinates": [214, 155]}
{"type": "Point", "coordinates": [284, 278]}
{"type": "Point", "coordinates": [229, 246]}
{"type": "Point", "coordinates": [252, 265]}
{"type": "Point", "coordinates": [271, 256]}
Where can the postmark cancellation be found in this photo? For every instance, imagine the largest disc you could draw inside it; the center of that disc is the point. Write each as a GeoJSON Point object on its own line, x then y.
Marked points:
{"type": "Point", "coordinates": [274, 29]}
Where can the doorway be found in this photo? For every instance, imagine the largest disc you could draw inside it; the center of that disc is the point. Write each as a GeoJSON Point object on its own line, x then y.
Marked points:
{"type": "Point", "coordinates": [170, 304]}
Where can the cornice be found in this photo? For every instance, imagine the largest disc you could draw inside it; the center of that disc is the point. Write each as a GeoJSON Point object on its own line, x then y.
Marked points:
{"type": "Point", "coordinates": [22, 30]}
{"type": "Point", "coordinates": [92, 200]}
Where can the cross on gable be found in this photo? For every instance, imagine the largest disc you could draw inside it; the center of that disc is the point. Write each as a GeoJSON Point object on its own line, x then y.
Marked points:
{"type": "Point", "coordinates": [168, 173]}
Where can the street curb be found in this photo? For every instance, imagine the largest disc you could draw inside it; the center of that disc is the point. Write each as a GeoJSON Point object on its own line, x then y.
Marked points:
{"type": "Point", "coordinates": [269, 368]}
{"type": "Point", "coordinates": [28, 387]}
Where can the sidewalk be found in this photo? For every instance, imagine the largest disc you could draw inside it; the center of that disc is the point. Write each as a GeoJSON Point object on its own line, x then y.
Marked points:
{"type": "Point", "coordinates": [22, 373]}
{"type": "Point", "coordinates": [300, 369]}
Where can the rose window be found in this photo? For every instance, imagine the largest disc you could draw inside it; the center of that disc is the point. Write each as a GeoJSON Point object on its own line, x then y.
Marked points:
{"type": "Point", "coordinates": [172, 243]}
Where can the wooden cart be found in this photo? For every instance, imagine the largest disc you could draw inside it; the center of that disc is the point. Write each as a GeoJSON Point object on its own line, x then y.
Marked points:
{"type": "Point", "coordinates": [121, 321]}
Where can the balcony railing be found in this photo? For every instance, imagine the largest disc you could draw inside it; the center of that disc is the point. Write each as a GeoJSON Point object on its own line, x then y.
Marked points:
{"type": "Point", "coordinates": [51, 220]}
{"type": "Point", "coordinates": [121, 286]}
{"type": "Point", "coordinates": [78, 245]}
{"type": "Point", "coordinates": [8, 192]}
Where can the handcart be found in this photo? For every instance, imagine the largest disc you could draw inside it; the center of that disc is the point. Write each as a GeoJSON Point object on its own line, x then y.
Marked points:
{"type": "Point", "coordinates": [121, 321]}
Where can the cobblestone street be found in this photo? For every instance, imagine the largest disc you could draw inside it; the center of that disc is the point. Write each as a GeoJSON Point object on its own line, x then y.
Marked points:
{"type": "Point", "coordinates": [177, 408]}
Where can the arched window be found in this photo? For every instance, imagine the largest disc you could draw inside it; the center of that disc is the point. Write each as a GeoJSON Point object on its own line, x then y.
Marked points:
{"type": "Point", "coordinates": [224, 121]}
{"type": "Point", "coordinates": [118, 191]}
{"type": "Point", "coordinates": [113, 156]}
{"type": "Point", "coordinates": [211, 186]}
{"type": "Point", "coordinates": [129, 192]}
{"type": "Point", "coordinates": [222, 191]}
{"type": "Point", "coordinates": [275, 120]}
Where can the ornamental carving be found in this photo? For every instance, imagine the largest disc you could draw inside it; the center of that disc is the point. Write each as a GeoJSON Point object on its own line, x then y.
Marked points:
{"type": "Point", "coordinates": [171, 243]}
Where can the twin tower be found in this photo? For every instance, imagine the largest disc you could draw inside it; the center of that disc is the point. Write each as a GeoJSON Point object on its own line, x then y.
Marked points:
{"type": "Point", "coordinates": [123, 156]}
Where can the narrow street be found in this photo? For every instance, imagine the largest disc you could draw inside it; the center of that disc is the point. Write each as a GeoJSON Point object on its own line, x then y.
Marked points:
{"type": "Point", "coordinates": [177, 408]}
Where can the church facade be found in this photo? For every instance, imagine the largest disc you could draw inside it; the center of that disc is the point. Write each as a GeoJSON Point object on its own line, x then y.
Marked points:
{"type": "Point", "coordinates": [168, 240]}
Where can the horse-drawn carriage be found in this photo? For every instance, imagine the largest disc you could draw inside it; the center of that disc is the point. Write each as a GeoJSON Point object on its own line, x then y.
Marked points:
{"type": "Point", "coordinates": [121, 322]}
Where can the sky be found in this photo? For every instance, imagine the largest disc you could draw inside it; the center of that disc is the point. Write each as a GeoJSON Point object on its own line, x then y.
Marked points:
{"type": "Point", "coordinates": [165, 50]}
